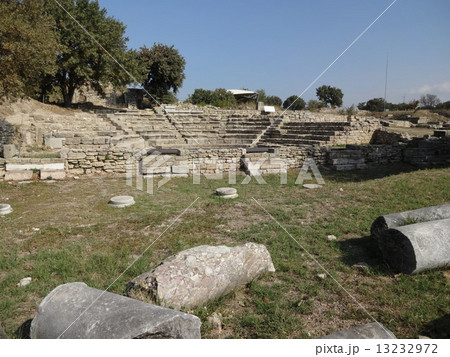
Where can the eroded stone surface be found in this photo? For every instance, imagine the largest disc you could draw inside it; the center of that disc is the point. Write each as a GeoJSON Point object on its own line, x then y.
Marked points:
{"type": "Point", "coordinates": [121, 201]}
{"type": "Point", "coordinates": [78, 311]}
{"type": "Point", "coordinates": [5, 209]}
{"type": "Point", "coordinates": [373, 330]}
{"type": "Point", "coordinates": [227, 192]}
{"type": "Point", "coordinates": [197, 275]}
{"type": "Point", "coordinates": [311, 186]}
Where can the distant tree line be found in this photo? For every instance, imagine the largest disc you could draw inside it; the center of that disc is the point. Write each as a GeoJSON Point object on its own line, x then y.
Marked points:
{"type": "Point", "coordinates": [327, 95]}
{"type": "Point", "coordinates": [43, 50]}
{"type": "Point", "coordinates": [427, 101]}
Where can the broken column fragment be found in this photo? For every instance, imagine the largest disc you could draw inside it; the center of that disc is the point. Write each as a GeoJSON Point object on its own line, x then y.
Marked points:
{"type": "Point", "coordinates": [409, 217]}
{"type": "Point", "coordinates": [417, 247]}
{"type": "Point", "coordinates": [195, 276]}
{"type": "Point", "coordinates": [77, 311]}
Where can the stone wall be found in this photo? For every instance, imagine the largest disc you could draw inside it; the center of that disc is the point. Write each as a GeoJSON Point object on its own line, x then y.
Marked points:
{"type": "Point", "coordinates": [417, 152]}
{"type": "Point", "coordinates": [428, 152]}
{"type": "Point", "coordinates": [7, 134]}
{"type": "Point", "coordinates": [185, 162]}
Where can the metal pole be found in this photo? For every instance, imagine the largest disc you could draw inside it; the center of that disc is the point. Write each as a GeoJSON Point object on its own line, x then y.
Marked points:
{"type": "Point", "coordinates": [385, 81]}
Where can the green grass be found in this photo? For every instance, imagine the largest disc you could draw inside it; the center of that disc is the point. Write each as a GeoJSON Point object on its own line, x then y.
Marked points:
{"type": "Point", "coordinates": [81, 238]}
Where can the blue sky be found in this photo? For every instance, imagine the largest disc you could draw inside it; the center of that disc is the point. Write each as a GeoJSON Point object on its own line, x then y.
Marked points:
{"type": "Point", "coordinates": [282, 46]}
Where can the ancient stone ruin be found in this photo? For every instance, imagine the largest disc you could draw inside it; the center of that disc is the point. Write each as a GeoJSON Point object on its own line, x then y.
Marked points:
{"type": "Point", "coordinates": [415, 241]}
{"type": "Point", "coordinates": [195, 276]}
{"type": "Point", "coordinates": [76, 311]}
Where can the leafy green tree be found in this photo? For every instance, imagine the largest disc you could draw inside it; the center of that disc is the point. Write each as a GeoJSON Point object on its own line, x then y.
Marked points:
{"type": "Point", "coordinates": [81, 61]}
{"type": "Point", "coordinates": [219, 98]}
{"type": "Point", "coordinates": [27, 46]}
{"type": "Point", "coordinates": [294, 103]}
{"type": "Point", "coordinates": [330, 95]}
{"type": "Point", "coordinates": [373, 105]}
{"type": "Point", "coordinates": [314, 105]}
{"type": "Point", "coordinates": [164, 69]}
{"type": "Point", "coordinates": [273, 100]}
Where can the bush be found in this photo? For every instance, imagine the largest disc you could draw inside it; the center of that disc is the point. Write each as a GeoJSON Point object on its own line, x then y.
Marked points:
{"type": "Point", "coordinates": [218, 98]}
{"type": "Point", "coordinates": [294, 103]}
{"type": "Point", "coordinates": [273, 100]}
{"type": "Point", "coordinates": [314, 105]}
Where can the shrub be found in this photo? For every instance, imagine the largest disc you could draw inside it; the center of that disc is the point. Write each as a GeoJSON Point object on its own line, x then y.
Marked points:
{"type": "Point", "coordinates": [294, 102]}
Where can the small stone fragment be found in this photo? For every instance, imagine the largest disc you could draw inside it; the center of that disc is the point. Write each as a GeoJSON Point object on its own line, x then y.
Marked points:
{"type": "Point", "coordinates": [321, 276]}
{"type": "Point", "coordinates": [24, 282]}
{"type": "Point", "coordinates": [5, 209]}
{"type": "Point", "coordinates": [227, 192]}
{"type": "Point", "coordinates": [215, 321]}
{"type": "Point", "coordinates": [121, 201]}
{"type": "Point", "coordinates": [331, 237]}
{"type": "Point", "coordinates": [311, 186]}
{"type": "Point", "coordinates": [361, 266]}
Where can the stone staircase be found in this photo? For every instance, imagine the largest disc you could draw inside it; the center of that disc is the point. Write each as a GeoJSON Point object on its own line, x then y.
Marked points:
{"type": "Point", "coordinates": [155, 129]}
{"type": "Point", "coordinates": [242, 130]}
{"type": "Point", "coordinates": [306, 133]}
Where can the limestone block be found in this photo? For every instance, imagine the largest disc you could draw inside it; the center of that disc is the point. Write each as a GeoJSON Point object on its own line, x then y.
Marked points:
{"type": "Point", "coordinates": [77, 311]}
{"type": "Point", "coordinates": [417, 247]}
{"type": "Point", "coordinates": [9, 151]}
{"type": "Point", "coordinates": [31, 166]}
{"type": "Point", "coordinates": [180, 169]}
{"type": "Point", "coordinates": [54, 174]}
{"type": "Point", "coordinates": [54, 143]}
{"type": "Point", "coordinates": [195, 276]}
{"type": "Point", "coordinates": [18, 175]}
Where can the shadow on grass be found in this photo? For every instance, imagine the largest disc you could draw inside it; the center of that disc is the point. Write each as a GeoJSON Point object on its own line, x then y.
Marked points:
{"type": "Point", "coordinates": [439, 328]}
{"type": "Point", "coordinates": [23, 332]}
{"type": "Point", "coordinates": [371, 173]}
{"type": "Point", "coordinates": [365, 249]}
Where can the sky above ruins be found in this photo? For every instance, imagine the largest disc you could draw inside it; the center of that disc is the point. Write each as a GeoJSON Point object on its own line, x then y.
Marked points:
{"type": "Point", "coordinates": [283, 45]}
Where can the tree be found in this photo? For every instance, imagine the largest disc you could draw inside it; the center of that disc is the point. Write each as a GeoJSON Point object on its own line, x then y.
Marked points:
{"type": "Point", "coordinates": [373, 105]}
{"type": "Point", "coordinates": [164, 68]}
{"type": "Point", "coordinates": [445, 105]}
{"type": "Point", "coordinates": [262, 97]}
{"type": "Point", "coordinates": [429, 100]}
{"type": "Point", "coordinates": [27, 47]}
{"type": "Point", "coordinates": [273, 100]}
{"type": "Point", "coordinates": [330, 95]}
{"type": "Point", "coordinates": [314, 105]}
{"type": "Point", "coordinates": [219, 98]}
{"type": "Point", "coordinates": [80, 60]}
{"type": "Point", "coordinates": [294, 103]}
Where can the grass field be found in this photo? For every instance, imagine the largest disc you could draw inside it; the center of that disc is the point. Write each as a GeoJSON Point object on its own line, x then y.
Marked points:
{"type": "Point", "coordinates": [65, 232]}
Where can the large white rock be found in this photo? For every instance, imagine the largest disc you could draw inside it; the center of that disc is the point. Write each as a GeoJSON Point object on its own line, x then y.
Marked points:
{"type": "Point", "coordinates": [195, 276]}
